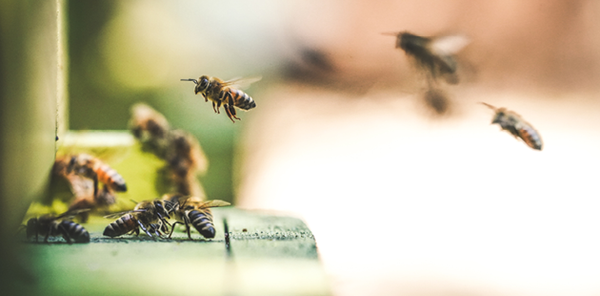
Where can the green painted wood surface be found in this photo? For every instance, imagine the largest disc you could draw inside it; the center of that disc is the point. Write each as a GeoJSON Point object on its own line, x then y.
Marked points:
{"type": "Point", "coordinates": [268, 255]}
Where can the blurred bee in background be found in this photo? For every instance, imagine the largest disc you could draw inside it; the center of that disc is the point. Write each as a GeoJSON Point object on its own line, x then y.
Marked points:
{"type": "Point", "coordinates": [91, 167]}
{"type": "Point", "coordinates": [82, 188]}
{"type": "Point", "coordinates": [221, 92]}
{"type": "Point", "coordinates": [61, 225]}
{"type": "Point", "coordinates": [434, 54]}
{"type": "Point", "coordinates": [519, 128]}
{"type": "Point", "coordinates": [437, 100]}
{"type": "Point", "coordinates": [181, 151]}
{"type": "Point", "coordinates": [150, 128]}
{"type": "Point", "coordinates": [185, 160]}
{"type": "Point", "coordinates": [192, 210]}
{"type": "Point", "coordinates": [105, 198]}
{"type": "Point", "coordinates": [149, 215]}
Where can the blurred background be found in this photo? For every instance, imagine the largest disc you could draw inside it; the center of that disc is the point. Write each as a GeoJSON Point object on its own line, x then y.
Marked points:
{"type": "Point", "coordinates": [402, 199]}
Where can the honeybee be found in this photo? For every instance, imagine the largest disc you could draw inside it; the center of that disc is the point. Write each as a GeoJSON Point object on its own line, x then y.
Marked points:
{"type": "Point", "coordinates": [103, 199]}
{"type": "Point", "coordinates": [185, 160]}
{"type": "Point", "coordinates": [149, 215]}
{"type": "Point", "coordinates": [514, 124]}
{"type": "Point", "coordinates": [195, 211]}
{"type": "Point", "coordinates": [61, 225]}
{"type": "Point", "coordinates": [223, 93]}
{"type": "Point", "coordinates": [151, 128]}
{"type": "Point", "coordinates": [434, 54]}
{"type": "Point", "coordinates": [91, 167]}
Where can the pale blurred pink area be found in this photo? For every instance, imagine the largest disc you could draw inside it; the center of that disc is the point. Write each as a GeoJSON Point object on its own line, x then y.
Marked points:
{"type": "Point", "coordinates": [405, 203]}
{"type": "Point", "coordinates": [401, 201]}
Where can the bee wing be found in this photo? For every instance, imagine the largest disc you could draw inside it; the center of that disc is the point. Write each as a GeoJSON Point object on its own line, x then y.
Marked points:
{"type": "Point", "coordinates": [80, 186]}
{"type": "Point", "coordinates": [119, 214]}
{"type": "Point", "coordinates": [448, 45]}
{"type": "Point", "coordinates": [241, 83]}
{"type": "Point", "coordinates": [213, 203]}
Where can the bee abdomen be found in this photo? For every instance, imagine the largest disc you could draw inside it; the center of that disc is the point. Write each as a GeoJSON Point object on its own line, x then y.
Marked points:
{"type": "Point", "coordinates": [110, 177]}
{"type": "Point", "coordinates": [202, 221]}
{"type": "Point", "coordinates": [121, 226]}
{"type": "Point", "coordinates": [75, 231]}
{"type": "Point", "coordinates": [241, 99]}
{"type": "Point", "coordinates": [531, 137]}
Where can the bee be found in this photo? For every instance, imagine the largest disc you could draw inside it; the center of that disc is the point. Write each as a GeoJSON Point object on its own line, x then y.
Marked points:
{"type": "Point", "coordinates": [90, 167]}
{"type": "Point", "coordinates": [149, 215]}
{"type": "Point", "coordinates": [151, 128]}
{"type": "Point", "coordinates": [103, 199]}
{"type": "Point", "coordinates": [434, 54]}
{"type": "Point", "coordinates": [221, 92]}
{"type": "Point", "coordinates": [61, 225]}
{"type": "Point", "coordinates": [195, 211]}
{"type": "Point", "coordinates": [514, 124]}
{"type": "Point", "coordinates": [185, 160]}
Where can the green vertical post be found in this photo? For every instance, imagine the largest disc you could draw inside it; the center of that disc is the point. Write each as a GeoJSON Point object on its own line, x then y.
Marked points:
{"type": "Point", "coordinates": [32, 80]}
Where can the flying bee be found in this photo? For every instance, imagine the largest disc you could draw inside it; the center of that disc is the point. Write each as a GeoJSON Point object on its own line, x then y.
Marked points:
{"type": "Point", "coordinates": [61, 225]}
{"type": "Point", "coordinates": [91, 167]}
{"type": "Point", "coordinates": [195, 211]}
{"type": "Point", "coordinates": [514, 124]}
{"type": "Point", "coordinates": [149, 215]}
{"type": "Point", "coordinates": [221, 92]}
{"type": "Point", "coordinates": [434, 54]}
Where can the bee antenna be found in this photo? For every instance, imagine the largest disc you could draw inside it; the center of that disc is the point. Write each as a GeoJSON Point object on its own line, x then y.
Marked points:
{"type": "Point", "coordinates": [135, 202]}
{"type": "Point", "coordinates": [390, 33]}
{"type": "Point", "coordinates": [189, 79]}
{"type": "Point", "coordinates": [490, 106]}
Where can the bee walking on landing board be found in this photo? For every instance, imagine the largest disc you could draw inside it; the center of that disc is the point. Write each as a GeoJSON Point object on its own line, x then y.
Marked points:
{"type": "Point", "coordinates": [221, 92]}
{"type": "Point", "coordinates": [514, 124]}
{"type": "Point", "coordinates": [192, 210]}
{"type": "Point", "coordinates": [149, 215]}
{"type": "Point", "coordinates": [61, 225]}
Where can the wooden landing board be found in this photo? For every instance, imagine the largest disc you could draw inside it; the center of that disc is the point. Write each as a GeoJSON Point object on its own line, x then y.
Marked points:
{"type": "Point", "coordinates": [267, 255]}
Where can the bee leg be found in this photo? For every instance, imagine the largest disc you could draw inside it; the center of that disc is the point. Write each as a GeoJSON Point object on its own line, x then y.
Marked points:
{"type": "Point", "coordinates": [95, 186]}
{"type": "Point", "coordinates": [187, 226]}
{"type": "Point", "coordinates": [65, 234]}
{"type": "Point", "coordinates": [233, 112]}
{"type": "Point", "coordinates": [144, 228]}
{"type": "Point", "coordinates": [173, 228]}
{"type": "Point", "coordinates": [47, 235]}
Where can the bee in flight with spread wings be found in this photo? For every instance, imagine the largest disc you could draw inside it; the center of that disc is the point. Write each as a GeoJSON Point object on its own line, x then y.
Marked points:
{"type": "Point", "coordinates": [225, 93]}
{"type": "Point", "coordinates": [434, 54]}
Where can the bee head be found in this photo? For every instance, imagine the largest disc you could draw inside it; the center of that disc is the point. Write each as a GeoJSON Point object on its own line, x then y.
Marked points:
{"type": "Point", "coordinates": [72, 164]}
{"type": "Point", "coordinates": [202, 85]}
{"type": "Point", "coordinates": [31, 227]}
{"type": "Point", "coordinates": [411, 43]}
{"type": "Point", "coordinates": [160, 209]}
{"type": "Point", "coordinates": [498, 117]}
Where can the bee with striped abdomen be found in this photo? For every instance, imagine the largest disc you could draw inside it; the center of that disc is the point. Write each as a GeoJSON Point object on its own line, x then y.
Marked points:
{"type": "Point", "coordinates": [192, 210]}
{"type": "Point", "coordinates": [91, 167]}
{"type": "Point", "coordinates": [221, 92]}
{"type": "Point", "coordinates": [61, 225]}
{"type": "Point", "coordinates": [434, 54]}
{"type": "Point", "coordinates": [149, 215]}
{"type": "Point", "coordinates": [514, 124]}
